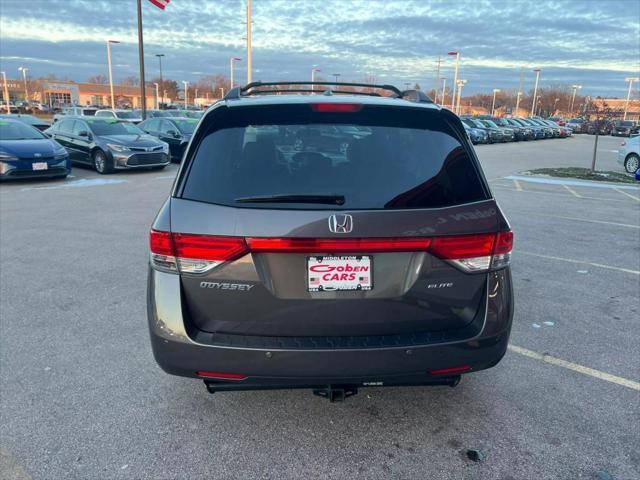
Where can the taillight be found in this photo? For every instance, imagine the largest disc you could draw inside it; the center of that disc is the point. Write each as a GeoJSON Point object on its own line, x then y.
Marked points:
{"type": "Point", "coordinates": [221, 375]}
{"type": "Point", "coordinates": [190, 253]}
{"type": "Point", "coordinates": [475, 253]}
{"type": "Point", "coordinates": [162, 252]}
{"type": "Point", "coordinates": [193, 253]}
{"type": "Point", "coordinates": [342, 245]}
{"type": "Point", "coordinates": [201, 253]}
{"type": "Point", "coordinates": [336, 107]}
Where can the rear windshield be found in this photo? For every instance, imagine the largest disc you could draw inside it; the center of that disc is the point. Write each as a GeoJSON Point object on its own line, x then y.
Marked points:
{"type": "Point", "coordinates": [113, 127]}
{"type": "Point", "coordinates": [18, 131]}
{"type": "Point", "coordinates": [127, 115]}
{"type": "Point", "coordinates": [376, 158]}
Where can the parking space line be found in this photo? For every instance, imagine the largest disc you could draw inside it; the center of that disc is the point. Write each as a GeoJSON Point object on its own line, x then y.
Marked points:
{"type": "Point", "coordinates": [572, 182]}
{"type": "Point", "coordinates": [587, 220]}
{"type": "Point", "coordinates": [624, 382]}
{"type": "Point", "coordinates": [627, 194]}
{"type": "Point", "coordinates": [559, 194]}
{"type": "Point", "coordinates": [582, 262]}
{"type": "Point", "coordinates": [572, 191]}
{"type": "Point", "coordinates": [517, 184]}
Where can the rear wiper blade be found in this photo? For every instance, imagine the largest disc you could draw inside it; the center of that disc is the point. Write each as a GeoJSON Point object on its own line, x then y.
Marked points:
{"type": "Point", "coordinates": [286, 198]}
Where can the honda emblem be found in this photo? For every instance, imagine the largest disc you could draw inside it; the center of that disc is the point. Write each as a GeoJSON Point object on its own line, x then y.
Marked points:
{"type": "Point", "coordinates": [341, 223]}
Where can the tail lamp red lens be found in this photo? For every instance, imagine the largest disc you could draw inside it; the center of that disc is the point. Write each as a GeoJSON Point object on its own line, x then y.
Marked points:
{"type": "Point", "coordinates": [199, 253]}
{"type": "Point", "coordinates": [336, 107]}
{"type": "Point", "coordinates": [451, 371]}
{"type": "Point", "coordinates": [343, 245]}
{"type": "Point", "coordinates": [221, 375]}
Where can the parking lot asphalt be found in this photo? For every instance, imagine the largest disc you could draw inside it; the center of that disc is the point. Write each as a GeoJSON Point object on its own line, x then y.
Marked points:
{"type": "Point", "coordinates": [81, 396]}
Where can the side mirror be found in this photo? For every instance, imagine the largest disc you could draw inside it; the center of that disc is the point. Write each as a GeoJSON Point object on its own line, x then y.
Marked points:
{"type": "Point", "coordinates": [173, 133]}
{"type": "Point", "coordinates": [84, 133]}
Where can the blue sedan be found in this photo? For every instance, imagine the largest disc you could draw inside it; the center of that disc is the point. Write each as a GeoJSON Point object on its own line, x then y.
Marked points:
{"type": "Point", "coordinates": [25, 152]}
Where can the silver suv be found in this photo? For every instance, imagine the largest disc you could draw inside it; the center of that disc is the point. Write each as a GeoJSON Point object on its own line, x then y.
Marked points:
{"type": "Point", "coordinates": [329, 240]}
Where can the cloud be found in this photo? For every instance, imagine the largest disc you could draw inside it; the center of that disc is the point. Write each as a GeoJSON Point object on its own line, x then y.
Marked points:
{"type": "Point", "coordinates": [572, 41]}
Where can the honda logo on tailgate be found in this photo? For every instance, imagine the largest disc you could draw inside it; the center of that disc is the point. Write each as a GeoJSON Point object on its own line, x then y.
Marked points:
{"type": "Point", "coordinates": [340, 223]}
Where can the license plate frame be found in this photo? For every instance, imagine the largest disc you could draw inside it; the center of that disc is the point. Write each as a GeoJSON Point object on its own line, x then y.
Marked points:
{"type": "Point", "coordinates": [341, 284]}
{"type": "Point", "coordinates": [39, 166]}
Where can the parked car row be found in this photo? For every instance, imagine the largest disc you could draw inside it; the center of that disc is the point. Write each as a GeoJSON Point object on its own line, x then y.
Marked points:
{"type": "Point", "coordinates": [133, 116]}
{"type": "Point", "coordinates": [618, 128]}
{"type": "Point", "coordinates": [487, 129]}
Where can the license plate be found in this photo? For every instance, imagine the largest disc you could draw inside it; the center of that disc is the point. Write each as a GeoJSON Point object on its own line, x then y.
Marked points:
{"type": "Point", "coordinates": [330, 274]}
{"type": "Point", "coordinates": [39, 166]}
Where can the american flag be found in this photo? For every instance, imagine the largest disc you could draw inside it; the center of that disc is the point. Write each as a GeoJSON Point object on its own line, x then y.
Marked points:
{"type": "Point", "coordinates": [313, 281]}
{"type": "Point", "coordinates": [161, 4]}
{"type": "Point", "coordinates": [364, 279]}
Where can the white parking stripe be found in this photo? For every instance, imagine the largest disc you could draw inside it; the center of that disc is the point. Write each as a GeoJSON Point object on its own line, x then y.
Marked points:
{"type": "Point", "coordinates": [570, 260]}
{"type": "Point", "coordinates": [587, 220]}
{"type": "Point", "coordinates": [576, 367]}
{"type": "Point", "coordinates": [557, 194]}
{"type": "Point", "coordinates": [627, 194]}
{"type": "Point", "coordinates": [572, 182]}
{"type": "Point", "coordinates": [573, 192]}
{"type": "Point", "coordinates": [517, 184]}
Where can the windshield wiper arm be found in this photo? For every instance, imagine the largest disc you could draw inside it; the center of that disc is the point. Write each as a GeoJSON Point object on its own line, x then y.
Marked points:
{"type": "Point", "coordinates": [330, 199]}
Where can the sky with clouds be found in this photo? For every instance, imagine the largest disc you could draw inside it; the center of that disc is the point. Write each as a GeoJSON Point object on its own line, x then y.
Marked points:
{"type": "Point", "coordinates": [595, 43]}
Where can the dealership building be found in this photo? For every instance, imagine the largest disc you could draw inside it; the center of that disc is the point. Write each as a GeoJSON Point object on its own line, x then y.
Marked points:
{"type": "Point", "coordinates": [56, 93]}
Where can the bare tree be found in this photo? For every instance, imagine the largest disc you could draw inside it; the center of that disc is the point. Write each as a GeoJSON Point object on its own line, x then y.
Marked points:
{"type": "Point", "coordinates": [599, 114]}
{"type": "Point", "coordinates": [100, 79]}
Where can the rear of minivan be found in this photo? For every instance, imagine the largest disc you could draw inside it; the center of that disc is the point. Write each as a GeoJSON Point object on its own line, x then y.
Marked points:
{"type": "Point", "coordinates": [330, 243]}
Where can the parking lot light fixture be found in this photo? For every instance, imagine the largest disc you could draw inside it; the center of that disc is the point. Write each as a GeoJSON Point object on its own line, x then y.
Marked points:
{"type": "Point", "coordinates": [461, 83]}
{"type": "Point", "coordinates": [6, 92]}
{"type": "Point", "coordinates": [186, 93]}
{"type": "Point", "coordinates": [455, 79]}
{"type": "Point", "coordinates": [535, 92]}
{"type": "Point", "coordinates": [24, 77]}
{"type": "Point", "coordinates": [626, 104]}
{"type": "Point", "coordinates": [314, 69]}
{"type": "Point", "coordinates": [231, 60]}
{"type": "Point", "coordinates": [573, 97]}
{"type": "Point", "coordinates": [336, 76]}
{"type": "Point", "coordinates": [113, 100]}
{"type": "Point", "coordinates": [160, 55]}
{"type": "Point", "coordinates": [493, 105]}
{"type": "Point", "coordinates": [157, 94]}
{"type": "Point", "coordinates": [444, 91]}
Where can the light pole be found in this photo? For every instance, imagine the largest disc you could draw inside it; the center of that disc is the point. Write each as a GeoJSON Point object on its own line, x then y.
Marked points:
{"type": "Point", "coordinates": [186, 93]}
{"type": "Point", "coordinates": [249, 77]}
{"type": "Point", "coordinates": [336, 75]}
{"type": "Point", "coordinates": [626, 104]}
{"type": "Point", "coordinates": [160, 55]}
{"type": "Point", "coordinates": [314, 69]}
{"type": "Point", "coordinates": [535, 92]}
{"type": "Point", "coordinates": [573, 97]}
{"type": "Point", "coordinates": [460, 84]}
{"type": "Point", "coordinates": [157, 93]}
{"type": "Point", "coordinates": [231, 60]}
{"type": "Point", "coordinates": [455, 79]}
{"type": "Point", "coordinates": [6, 92]}
{"type": "Point", "coordinates": [221, 92]}
{"type": "Point", "coordinates": [26, 92]}
{"type": "Point", "coordinates": [555, 102]}
{"type": "Point", "coordinates": [518, 97]}
{"type": "Point", "coordinates": [493, 106]}
{"type": "Point", "coordinates": [113, 100]}
{"type": "Point", "coordinates": [444, 91]}
{"type": "Point", "coordinates": [195, 97]}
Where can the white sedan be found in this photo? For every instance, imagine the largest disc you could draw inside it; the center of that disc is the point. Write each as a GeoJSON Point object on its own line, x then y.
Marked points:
{"type": "Point", "coordinates": [629, 154]}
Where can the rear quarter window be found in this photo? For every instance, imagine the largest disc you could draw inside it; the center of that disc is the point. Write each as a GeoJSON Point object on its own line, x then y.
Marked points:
{"type": "Point", "coordinates": [377, 158]}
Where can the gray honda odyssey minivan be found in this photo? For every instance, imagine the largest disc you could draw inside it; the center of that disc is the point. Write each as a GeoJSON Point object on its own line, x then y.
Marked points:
{"type": "Point", "coordinates": [329, 240]}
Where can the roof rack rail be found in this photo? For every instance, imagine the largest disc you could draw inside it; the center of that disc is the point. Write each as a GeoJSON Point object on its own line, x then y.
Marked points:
{"type": "Point", "coordinates": [252, 88]}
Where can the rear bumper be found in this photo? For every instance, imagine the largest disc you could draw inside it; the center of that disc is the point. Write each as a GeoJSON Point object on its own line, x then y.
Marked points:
{"type": "Point", "coordinates": [177, 352]}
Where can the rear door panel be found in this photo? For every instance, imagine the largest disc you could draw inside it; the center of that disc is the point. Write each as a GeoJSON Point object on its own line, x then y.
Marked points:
{"type": "Point", "coordinates": [265, 294]}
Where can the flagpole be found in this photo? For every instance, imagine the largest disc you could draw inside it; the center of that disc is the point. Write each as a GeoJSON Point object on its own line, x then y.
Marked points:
{"type": "Point", "coordinates": [143, 95]}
